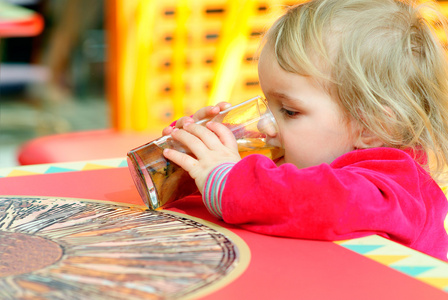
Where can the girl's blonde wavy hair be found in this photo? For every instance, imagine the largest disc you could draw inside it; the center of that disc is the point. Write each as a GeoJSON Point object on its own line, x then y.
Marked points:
{"type": "Point", "coordinates": [384, 61]}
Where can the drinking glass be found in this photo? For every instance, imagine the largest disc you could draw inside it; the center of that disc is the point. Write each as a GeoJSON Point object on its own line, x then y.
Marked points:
{"type": "Point", "coordinates": [160, 181]}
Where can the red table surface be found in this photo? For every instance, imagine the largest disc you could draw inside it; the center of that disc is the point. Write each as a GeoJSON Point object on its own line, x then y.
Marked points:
{"type": "Point", "coordinates": [280, 268]}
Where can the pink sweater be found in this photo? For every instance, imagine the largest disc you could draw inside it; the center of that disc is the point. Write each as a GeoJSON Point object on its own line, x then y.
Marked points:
{"type": "Point", "coordinates": [380, 191]}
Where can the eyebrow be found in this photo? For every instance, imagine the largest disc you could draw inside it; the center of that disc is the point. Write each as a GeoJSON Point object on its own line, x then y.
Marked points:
{"type": "Point", "coordinates": [286, 98]}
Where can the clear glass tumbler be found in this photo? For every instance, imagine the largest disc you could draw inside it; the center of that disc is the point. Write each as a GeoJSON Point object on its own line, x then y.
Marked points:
{"type": "Point", "coordinates": [160, 181]}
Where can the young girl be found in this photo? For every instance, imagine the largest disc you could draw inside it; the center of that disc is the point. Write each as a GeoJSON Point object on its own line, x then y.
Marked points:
{"type": "Point", "coordinates": [359, 89]}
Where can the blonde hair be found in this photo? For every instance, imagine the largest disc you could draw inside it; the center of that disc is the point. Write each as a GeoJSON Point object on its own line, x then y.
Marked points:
{"type": "Point", "coordinates": [382, 58]}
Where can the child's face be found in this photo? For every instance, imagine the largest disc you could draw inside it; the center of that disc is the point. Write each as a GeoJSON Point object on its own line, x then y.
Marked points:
{"type": "Point", "coordinates": [311, 125]}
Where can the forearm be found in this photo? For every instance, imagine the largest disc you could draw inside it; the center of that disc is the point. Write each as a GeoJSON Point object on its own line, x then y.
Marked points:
{"type": "Point", "coordinates": [315, 203]}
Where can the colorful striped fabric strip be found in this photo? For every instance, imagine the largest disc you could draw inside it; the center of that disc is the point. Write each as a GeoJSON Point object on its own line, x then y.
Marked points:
{"type": "Point", "coordinates": [214, 186]}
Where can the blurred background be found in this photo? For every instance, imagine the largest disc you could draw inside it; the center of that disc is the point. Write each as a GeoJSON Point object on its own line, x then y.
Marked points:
{"type": "Point", "coordinates": [91, 79]}
{"type": "Point", "coordinates": [53, 82]}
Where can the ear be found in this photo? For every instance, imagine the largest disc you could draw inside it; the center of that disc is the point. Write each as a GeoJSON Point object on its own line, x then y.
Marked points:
{"type": "Point", "coordinates": [368, 140]}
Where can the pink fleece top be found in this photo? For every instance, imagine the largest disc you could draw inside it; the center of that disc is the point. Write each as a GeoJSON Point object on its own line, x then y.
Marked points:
{"type": "Point", "coordinates": [380, 191]}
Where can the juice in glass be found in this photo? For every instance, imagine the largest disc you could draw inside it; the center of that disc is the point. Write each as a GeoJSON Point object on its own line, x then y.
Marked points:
{"type": "Point", "coordinates": [160, 181]}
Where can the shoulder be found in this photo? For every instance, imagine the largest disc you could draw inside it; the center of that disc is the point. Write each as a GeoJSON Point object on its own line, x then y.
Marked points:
{"type": "Point", "coordinates": [389, 168]}
{"type": "Point", "coordinates": [381, 156]}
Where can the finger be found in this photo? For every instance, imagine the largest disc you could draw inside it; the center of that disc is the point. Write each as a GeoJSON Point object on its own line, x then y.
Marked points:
{"type": "Point", "coordinates": [183, 121]}
{"type": "Point", "coordinates": [167, 130]}
{"type": "Point", "coordinates": [223, 105]}
{"type": "Point", "coordinates": [191, 141]}
{"type": "Point", "coordinates": [183, 160]}
{"type": "Point", "coordinates": [224, 134]}
{"type": "Point", "coordinates": [206, 113]}
{"type": "Point", "coordinates": [207, 137]}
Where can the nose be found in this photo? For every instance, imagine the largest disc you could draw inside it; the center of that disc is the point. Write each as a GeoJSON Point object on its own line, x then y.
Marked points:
{"type": "Point", "coordinates": [268, 126]}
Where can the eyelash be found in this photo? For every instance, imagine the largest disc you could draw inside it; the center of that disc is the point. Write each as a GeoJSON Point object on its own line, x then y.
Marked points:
{"type": "Point", "coordinates": [288, 113]}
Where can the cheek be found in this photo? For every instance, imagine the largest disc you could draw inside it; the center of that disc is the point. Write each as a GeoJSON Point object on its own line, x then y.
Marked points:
{"type": "Point", "coordinates": [294, 149]}
{"type": "Point", "coordinates": [311, 146]}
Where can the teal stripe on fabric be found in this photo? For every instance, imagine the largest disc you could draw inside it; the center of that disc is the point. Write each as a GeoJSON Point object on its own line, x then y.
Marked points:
{"type": "Point", "coordinates": [214, 187]}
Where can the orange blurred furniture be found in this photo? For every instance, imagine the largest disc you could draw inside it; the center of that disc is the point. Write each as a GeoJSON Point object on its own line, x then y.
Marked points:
{"type": "Point", "coordinates": [165, 60]}
{"type": "Point", "coordinates": [84, 145]}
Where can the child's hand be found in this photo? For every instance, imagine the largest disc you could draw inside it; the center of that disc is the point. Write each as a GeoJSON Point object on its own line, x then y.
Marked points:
{"type": "Point", "coordinates": [211, 146]}
{"type": "Point", "coordinates": [207, 112]}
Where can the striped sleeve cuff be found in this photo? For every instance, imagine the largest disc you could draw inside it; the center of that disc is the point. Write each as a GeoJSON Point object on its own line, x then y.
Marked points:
{"type": "Point", "coordinates": [214, 186]}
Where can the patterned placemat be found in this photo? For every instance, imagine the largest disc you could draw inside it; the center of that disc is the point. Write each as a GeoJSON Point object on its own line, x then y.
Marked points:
{"type": "Point", "coordinates": [59, 248]}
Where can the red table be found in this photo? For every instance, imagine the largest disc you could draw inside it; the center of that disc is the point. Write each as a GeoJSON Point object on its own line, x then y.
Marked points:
{"type": "Point", "coordinates": [279, 268]}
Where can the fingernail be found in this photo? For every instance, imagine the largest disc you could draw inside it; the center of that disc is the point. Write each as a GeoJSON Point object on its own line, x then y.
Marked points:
{"type": "Point", "coordinates": [188, 121]}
